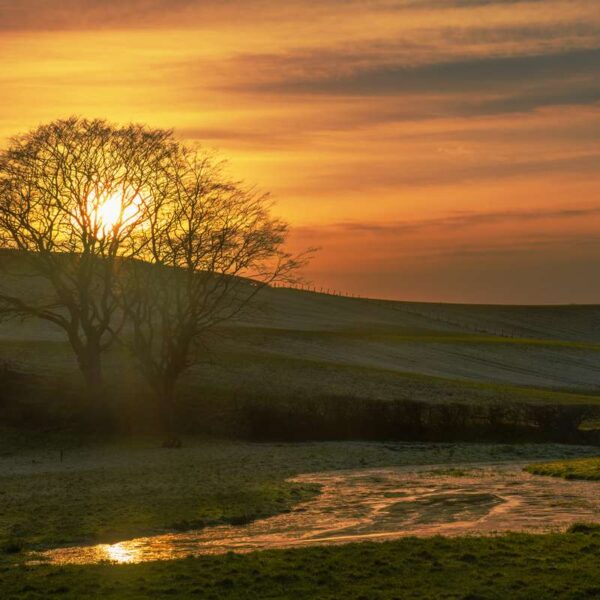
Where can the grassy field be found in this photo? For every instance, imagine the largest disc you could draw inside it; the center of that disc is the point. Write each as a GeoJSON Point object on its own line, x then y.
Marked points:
{"type": "Point", "coordinates": [555, 566]}
{"type": "Point", "coordinates": [242, 366]}
{"type": "Point", "coordinates": [291, 376]}
{"type": "Point", "coordinates": [298, 350]}
{"type": "Point", "coordinates": [549, 348]}
{"type": "Point", "coordinates": [580, 468]}
{"type": "Point", "coordinates": [109, 491]}
{"type": "Point", "coordinates": [254, 392]}
{"type": "Point", "coordinates": [305, 356]}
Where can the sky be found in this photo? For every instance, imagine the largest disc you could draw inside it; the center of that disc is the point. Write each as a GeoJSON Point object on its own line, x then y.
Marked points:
{"type": "Point", "coordinates": [437, 150]}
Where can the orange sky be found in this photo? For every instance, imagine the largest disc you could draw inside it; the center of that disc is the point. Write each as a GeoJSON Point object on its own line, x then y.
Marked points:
{"type": "Point", "coordinates": [434, 149]}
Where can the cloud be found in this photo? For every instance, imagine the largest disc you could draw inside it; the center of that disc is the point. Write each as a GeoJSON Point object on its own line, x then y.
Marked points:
{"type": "Point", "coordinates": [431, 4]}
{"type": "Point", "coordinates": [28, 15]}
{"type": "Point", "coordinates": [484, 75]}
{"type": "Point", "coordinates": [353, 110]}
{"type": "Point", "coordinates": [578, 93]}
{"type": "Point", "coordinates": [448, 259]}
{"type": "Point", "coordinates": [448, 71]}
{"type": "Point", "coordinates": [398, 174]}
{"type": "Point", "coordinates": [44, 15]}
{"type": "Point", "coordinates": [452, 221]}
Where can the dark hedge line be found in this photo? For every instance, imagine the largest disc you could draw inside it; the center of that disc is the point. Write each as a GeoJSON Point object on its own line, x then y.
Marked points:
{"type": "Point", "coordinates": [43, 403]}
{"type": "Point", "coordinates": [343, 418]}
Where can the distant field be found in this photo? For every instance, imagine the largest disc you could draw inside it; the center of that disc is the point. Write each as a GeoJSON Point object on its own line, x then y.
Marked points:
{"type": "Point", "coordinates": [552, 348]}
{"type": "Point", "coordinates": [240, 360]}
{"type": "Point", "coordinates": [298, 350]}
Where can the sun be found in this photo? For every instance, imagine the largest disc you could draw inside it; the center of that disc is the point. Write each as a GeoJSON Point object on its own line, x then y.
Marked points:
{"type": "Point", "coordinates": [110, 213]}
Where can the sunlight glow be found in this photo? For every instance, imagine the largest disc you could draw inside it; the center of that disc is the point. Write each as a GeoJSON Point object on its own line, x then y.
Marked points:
{"type": "Point", "coordinates": [109, 214]}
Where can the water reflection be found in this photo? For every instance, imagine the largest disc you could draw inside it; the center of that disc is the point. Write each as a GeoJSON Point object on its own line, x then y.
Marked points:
{"type": "Point", "coordinates": [378, 504]}
{"type": "Point", "coordinates": [121, 553]}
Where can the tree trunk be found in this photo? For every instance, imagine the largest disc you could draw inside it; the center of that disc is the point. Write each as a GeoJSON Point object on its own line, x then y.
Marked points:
{"type": "Point", "coordinates": [166, 410]}
{"type": "Point", "coordinates": [94, 381]}
{"type": "Point", "coordinates": [94, 401]}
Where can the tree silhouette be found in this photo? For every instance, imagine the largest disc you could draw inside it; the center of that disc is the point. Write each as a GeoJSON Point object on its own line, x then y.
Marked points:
{"type": "Point", "coordinates": [56, 183]}
{"type": "Point", "coordinates": [210, 246]}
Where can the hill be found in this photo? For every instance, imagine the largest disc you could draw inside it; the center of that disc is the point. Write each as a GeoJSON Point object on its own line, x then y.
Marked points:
{"type": "Point", "coordinates": [300, 348]}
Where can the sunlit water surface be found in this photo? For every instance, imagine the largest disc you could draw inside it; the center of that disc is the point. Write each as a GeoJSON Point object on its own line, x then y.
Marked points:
{"type": "Point", "coordinates": [378, 504]}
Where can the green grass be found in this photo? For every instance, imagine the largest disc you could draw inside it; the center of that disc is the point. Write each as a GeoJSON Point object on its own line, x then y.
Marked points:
{"type": "Point", "coordinates": [237, 369]}
{"type": "Point", "coordinates": [517, 566]}
{"type": "Point", "coordinates": [109, 491]}
{"type": "Point", "coordinates": [115, 491]}
{"type": "Point", "coordinates": [293, 367]}
{"type": "Point", "coordinates": [289, 376]}
{"type": "Point", "coordinates": [112, 490]}
{"type": "Point", "coordinates": [580, 468]}
{"type": "Point", "coordinates": [426, 336]}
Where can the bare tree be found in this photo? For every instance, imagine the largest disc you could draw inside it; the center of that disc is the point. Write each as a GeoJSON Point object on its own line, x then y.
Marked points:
{"type": "Point", "coordinates": [211, 246]}
{"type": "Point", "coordinates": [72, 197]}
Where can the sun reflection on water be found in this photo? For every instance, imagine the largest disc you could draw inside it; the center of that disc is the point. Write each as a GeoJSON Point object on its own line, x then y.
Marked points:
{"type": "Point", "coordinates": [374, 505]}
{"type": "Point", "coordinates": [121, 553]}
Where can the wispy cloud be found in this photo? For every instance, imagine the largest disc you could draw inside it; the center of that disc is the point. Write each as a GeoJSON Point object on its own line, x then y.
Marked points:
{"type": "Point", "coordinates": [452, 221]}
{"type": "Point", "coordinates": [468, 127]}
{"type": "Point", "coordinates": [490, 75]}
{"type": "Point", "coordinates": [36, 15]}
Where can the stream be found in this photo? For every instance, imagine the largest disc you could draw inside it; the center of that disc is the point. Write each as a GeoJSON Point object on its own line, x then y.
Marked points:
{"type": "Point", "coordinates": [377, 504]}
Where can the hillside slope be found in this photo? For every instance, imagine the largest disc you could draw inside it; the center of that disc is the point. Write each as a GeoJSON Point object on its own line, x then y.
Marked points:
{"type": "Point", "coordinates": [316, 343]}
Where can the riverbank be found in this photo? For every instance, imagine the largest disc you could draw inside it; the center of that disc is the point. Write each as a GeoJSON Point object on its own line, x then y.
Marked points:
{"type": "Point", "coordinates": [516, 566]}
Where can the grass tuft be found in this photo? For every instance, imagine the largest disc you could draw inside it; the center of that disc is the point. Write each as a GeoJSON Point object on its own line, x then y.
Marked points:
{"type": "Point", "coordinates": [579, 468]}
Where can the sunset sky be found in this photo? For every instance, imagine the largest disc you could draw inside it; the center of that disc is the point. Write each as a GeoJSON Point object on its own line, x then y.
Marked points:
{"type": "Point", "coordinates": [443, 150]}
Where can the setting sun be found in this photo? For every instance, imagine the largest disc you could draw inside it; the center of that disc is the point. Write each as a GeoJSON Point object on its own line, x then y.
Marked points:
{"type": "Point", "coordinates": [110, 213]}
